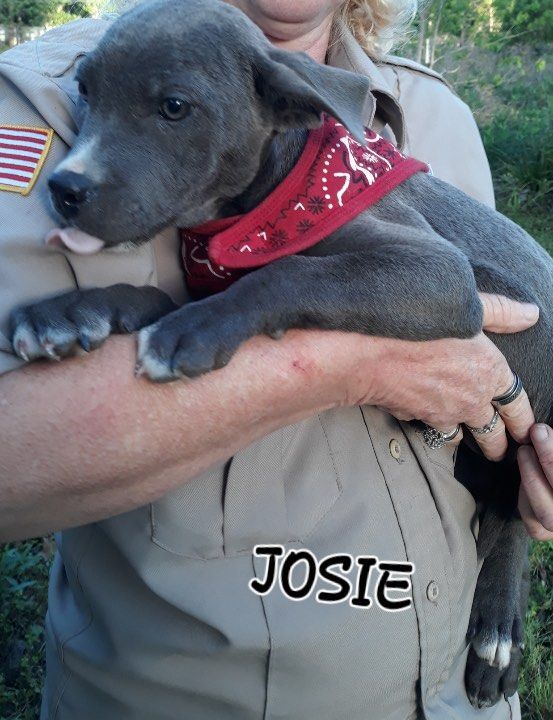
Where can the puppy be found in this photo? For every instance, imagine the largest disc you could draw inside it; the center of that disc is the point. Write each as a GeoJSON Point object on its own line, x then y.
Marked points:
{"type": "Point", "coordinates": [192, 119]}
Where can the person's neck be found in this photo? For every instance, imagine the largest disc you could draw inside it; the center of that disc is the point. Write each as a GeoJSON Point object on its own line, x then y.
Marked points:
{"type": "Point", "coordinates": [313, 41]}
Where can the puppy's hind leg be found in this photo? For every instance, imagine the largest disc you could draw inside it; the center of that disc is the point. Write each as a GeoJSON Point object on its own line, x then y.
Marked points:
{"type": "Point", "coordinates": [496, 628]}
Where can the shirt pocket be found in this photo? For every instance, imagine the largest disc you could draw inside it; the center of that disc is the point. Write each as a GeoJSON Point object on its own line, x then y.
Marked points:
{"type": "Point", "coordinates": [274, 492]}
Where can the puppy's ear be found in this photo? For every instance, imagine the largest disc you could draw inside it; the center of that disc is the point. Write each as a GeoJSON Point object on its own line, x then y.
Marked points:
{"type": "Point", "coordinates": [296, 90]}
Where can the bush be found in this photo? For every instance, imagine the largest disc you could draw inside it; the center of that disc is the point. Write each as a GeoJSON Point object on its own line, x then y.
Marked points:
{"type": "Point", "coordinates": [511, 95]}
{"type": "Point", "coordinates": [536, 683]}
{"type": "Point", "coordinates": [24, 571]}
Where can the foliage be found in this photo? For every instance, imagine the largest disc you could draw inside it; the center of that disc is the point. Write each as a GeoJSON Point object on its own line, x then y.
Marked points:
{"type": "Point", "coordinates": [18, 14]}
{"type": "Point", "coordinates": [23, 584]}
{"type": "Point", "coordinates": [536, 683]}
{"type": "Point", "coordinates": [532, 17]}
{"type": "Point", "coordinates": [511, 95]}
{"type": "Point", "coordinates": [29, 13]}
{"type": "Point", "coordinates": [483, 22]}
{"type": "Point", "coordinates": [521, 158]}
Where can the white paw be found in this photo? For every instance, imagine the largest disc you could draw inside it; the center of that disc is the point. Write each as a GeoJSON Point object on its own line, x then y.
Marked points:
{"type": "Point", "coordinates": [149, 363]}
{"type": "Point", "coordinates": [494, 650]}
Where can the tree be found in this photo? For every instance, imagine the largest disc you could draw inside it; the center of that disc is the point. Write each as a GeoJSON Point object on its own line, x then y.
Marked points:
{"type": "Point", "coordinates": [18, 14]}
{"type": "Point", "coordinates": [31, 13]}
{"type": "Point", "coordinates": [15, 14]}
{"type": "Point", "coordinates": [481, 21]}
{"type": "Point", "coordinates": [533, 18]}
{"type": "Point", "coordinates": [452, 17]}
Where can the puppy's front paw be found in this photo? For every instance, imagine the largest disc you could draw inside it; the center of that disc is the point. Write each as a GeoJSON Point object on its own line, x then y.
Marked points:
{"type": "Point", "coordinates": [58, 327]}
{"type": "Point", "coordinates": [190, 342]}
{"type": "Point", "coordinates": [84, 319]}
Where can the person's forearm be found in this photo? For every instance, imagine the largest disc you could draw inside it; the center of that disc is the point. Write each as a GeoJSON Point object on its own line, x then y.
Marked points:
{"type": "Point", "coordinates": [84, 439]}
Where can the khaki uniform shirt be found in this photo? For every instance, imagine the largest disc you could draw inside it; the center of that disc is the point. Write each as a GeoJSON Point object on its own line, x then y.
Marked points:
{"type": "Point", "coordinates": [150, 615]}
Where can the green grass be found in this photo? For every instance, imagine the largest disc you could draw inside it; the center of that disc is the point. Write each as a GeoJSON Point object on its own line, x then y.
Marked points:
{"type": "Point", "coordinates": [518, 141]}
{"type": "Point", "coordinates": [24, 571]}
{"type": "Point", "coordinates": [536, 683]}
{"type": "Point", "coordinates": [511, 95]}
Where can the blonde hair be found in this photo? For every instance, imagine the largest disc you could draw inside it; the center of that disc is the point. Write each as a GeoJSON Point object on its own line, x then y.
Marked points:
{"type": "Point", "coordinates": [377, 25]}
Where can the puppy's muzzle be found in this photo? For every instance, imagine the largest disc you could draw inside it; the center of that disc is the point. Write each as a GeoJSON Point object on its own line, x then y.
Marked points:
{"type": "Point", "coordinates": [69, 192]}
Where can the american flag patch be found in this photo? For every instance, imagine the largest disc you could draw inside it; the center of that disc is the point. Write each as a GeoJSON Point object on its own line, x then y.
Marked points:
{"type": "Point", "coordinates": [23, 151]}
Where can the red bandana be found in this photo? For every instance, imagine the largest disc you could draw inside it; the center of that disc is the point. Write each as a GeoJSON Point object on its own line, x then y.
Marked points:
{"type": "Point", "coordinates": [335, 179]}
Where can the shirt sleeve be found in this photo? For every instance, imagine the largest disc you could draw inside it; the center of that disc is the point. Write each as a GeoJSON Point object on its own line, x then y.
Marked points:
{"type": "Point", "coordinates": [441, 131]}
{"type": "Point", "coordinates": [28, 269]}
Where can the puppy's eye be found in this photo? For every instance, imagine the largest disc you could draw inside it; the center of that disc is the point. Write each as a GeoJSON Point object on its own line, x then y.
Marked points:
{"type": "Point", "coordinates": [173, 108]}
{"type": "Point", "coordinates": [83, 91]}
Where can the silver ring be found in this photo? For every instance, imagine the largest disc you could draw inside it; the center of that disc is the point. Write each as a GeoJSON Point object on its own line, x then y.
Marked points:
{"type": "Point", "coordinates": [435, 439]}
{"type": "Point", "coordinates": [512, 393]}
{"type": "Point", "coordinates": [490, 427]}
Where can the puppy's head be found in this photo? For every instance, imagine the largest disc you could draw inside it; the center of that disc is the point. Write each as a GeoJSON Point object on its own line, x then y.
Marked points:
{"type": "Point", "coordinates": [180, 99]}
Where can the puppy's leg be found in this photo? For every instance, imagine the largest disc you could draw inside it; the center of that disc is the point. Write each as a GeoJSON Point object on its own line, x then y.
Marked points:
{"type": "Point", "coordinates": [496, 628]}
{"type": "Point", "coordinates": [486, 684]}
{"type": "Point", "coordinates": [83, 319]}
{"type": "Point", "coordinates": [419, 288]}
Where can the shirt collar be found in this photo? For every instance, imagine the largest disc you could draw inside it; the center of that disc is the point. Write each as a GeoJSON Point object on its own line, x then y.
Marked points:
{"type": "Point", "coordinates": [347, 54]}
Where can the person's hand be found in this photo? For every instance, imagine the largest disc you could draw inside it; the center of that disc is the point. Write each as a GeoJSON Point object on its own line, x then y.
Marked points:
{"type": "Point", "coordinates": [447, 382]}
{"type": "Point", "coordinates": [536, 491]}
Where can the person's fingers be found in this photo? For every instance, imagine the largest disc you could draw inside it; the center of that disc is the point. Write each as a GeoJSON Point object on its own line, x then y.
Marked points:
{"type": "Point", "coordinates": [533, 527]}
{"type": "Point", "coordinates": [535, 496]}
{"type": "Point", "coordinates": [493, 444]}
{"type": "Point", "coordinates": [536, 487]}
{"type": "Point", "coordinates": [447, 431]}
{"type": "Point", "coordinates": [518, 417]}
{"type": "Point", "coordinates": [542, 440]}
{"type": "Point", "coordinates": [502, 315]}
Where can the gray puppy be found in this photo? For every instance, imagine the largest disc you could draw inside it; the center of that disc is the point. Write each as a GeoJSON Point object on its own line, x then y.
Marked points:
{"type": "Point", "coordinates": [207, 118]}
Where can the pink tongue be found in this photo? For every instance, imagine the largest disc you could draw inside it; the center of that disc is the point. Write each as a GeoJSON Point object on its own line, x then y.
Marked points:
{"type": "Point", "coordinates": [75, 240]}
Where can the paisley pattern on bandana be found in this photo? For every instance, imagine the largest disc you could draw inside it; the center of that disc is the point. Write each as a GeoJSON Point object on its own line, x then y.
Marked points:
{"type": "Point", "coordinates": [335, 179]}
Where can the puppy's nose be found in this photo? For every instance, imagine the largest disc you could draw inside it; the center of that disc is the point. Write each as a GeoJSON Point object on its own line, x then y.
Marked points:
{"type": "Point", "coordinates": [69, 191]}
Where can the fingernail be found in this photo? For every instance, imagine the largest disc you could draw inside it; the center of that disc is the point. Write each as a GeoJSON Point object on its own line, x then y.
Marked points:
{"type": "Point", "coordinates": [540, 433]}
{"type": "Point", "coordinates": [530, 311]}
{"type": "Point", "coordinates": [523, 451]}
{"type": "Point", "coordinates": [85, 342]}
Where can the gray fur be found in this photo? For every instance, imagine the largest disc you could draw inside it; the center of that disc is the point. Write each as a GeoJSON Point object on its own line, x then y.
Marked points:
{"type": "Point", "coordinates": [152, 173]}
{"type": "Point", "coordinates": [409, 267]}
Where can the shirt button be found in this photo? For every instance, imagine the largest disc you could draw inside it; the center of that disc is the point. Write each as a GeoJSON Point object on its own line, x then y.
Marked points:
{"type": "Point", "coordinates": [395, 449]}
{"type": "Point", "coordinates": [432, 591]}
